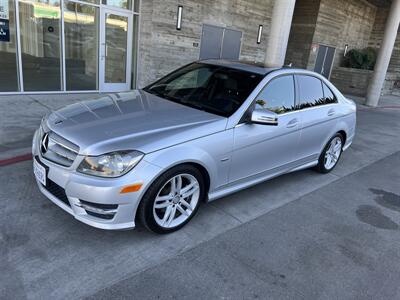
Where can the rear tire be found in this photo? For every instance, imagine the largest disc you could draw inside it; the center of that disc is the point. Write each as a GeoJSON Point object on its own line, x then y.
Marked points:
{"type": "Point", "coordinates": [331, 154]}
{"type": "Point", "coordinates": [172, 200]}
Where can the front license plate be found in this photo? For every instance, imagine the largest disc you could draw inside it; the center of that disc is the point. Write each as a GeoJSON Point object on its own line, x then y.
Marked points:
{"type": "Point", "coordinates": [40, 172]}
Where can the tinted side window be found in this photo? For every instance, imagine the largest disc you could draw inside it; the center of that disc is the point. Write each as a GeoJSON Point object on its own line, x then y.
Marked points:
{"type": "Point", "coordinates": [278, 95]}
{"type": "Point", "coordinates": [329, 96]}
{"type": "Point", "coordinates": [311, 93]}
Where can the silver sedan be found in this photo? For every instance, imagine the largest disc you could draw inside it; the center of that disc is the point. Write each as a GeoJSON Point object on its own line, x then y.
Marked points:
{"type": "Point", "coordinates": [204, 131]}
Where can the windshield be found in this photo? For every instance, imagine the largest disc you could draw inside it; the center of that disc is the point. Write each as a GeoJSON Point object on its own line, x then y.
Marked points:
{"type": "Point", "coordinates": [214, 89]}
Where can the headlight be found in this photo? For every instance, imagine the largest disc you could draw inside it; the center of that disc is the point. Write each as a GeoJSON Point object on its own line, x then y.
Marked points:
{"type": "Point", "coordinates": [113, 164]}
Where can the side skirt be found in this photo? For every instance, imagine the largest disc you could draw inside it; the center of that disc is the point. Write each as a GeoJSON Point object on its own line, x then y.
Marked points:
{"type": "Point", "coordinates": [256, 179]}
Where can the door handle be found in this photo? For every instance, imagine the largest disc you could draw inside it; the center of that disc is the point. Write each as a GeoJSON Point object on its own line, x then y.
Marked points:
{"type": "Point", "coordinates": [331, 112]}
{"type": "Point", "coordinates": [104, 54]}
{"type": "Point", "coordinates": [292, 123]}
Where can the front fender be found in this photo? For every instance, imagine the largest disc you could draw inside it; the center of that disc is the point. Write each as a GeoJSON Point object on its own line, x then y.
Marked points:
{"type": "Point", "coordinates": [171, 157]}
{"type": "Point", "coordinates": [213, 153]}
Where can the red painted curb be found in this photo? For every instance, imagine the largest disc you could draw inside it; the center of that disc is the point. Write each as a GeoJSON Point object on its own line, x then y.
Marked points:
{"type": "Point", "coordinates": [14, 160]}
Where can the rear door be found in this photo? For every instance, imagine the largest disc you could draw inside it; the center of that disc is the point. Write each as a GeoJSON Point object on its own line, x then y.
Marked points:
{"type": "Point", "coordinates": [317, 106]}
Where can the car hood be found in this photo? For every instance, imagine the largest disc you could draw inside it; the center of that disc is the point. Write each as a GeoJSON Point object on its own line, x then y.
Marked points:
{"type": "Point", "coordinates": [135, 120]}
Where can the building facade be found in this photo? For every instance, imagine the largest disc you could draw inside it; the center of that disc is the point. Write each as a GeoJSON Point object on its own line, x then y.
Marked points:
{"type": "Point", "coordinates": [116, 45]}
{"type": "Point", "coordinates": [340, 26]}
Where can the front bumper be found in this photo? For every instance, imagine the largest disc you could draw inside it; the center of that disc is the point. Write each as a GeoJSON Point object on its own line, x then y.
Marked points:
{"type": "Point", "coordinates": [92, 200]}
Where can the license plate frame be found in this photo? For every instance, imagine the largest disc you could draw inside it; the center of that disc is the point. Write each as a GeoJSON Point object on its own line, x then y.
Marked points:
{"type": "Point", "coordinates": [40, 172]}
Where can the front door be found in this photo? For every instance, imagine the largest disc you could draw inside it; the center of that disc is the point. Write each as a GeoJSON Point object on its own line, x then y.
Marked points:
{"type": "Point", "coordinates": [264, 149]}
{"type": "Point", "coordinates": [115, 50]}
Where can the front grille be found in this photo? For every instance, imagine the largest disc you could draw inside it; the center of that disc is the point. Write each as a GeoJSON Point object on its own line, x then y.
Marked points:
{"type": "Point", "coordinates": [57, 191]}
{"type": "Point", "coordinates": [57, 149]}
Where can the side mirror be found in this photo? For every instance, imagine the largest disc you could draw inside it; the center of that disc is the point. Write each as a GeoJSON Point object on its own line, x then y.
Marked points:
{"type": "Point", "coordinates": [264, 117]}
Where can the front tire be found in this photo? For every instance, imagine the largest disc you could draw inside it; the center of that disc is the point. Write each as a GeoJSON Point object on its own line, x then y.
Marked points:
{"type": "Point", "coordinates": [331, 154]}
{"type": "Point", "coordinates": [172, 200]}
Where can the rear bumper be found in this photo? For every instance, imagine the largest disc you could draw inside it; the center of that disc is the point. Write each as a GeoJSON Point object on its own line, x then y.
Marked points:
{"type": "Point", "coordinates": [95, 201]}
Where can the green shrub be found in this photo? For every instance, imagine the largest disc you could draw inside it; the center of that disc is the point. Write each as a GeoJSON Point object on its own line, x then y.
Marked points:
{"type": "Point", "coordinates": [361, 59]}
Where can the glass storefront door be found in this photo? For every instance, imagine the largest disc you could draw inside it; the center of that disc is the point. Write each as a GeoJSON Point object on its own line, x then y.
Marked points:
{"type": "Point", "coordinates": [115, 50]}
{"type": "Point", "coordinates": [67, 45]}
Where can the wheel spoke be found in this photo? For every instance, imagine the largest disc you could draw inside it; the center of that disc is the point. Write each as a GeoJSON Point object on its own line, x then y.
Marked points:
{"type": "Point", "coordinates": [188, 187]}
{"type": "Point", "coordinates": [190, 192]}
{"type": "Point", "coordinates": [332, 145]}
{"type": "Point", "coordinates": [187, 205]}
{"type": "Point", "coordinates": [163, 198]}
{"type": "Point", "coordinates": [328, 162]}
{"type": "Point", "coordinates": [173, 185]}
{"type": "Point", "coordinates": [183, 211]}
{"type": "Point", "coordinates": [178, 183]}
{"type": "Point", "coordinates": [166, 215]}
{"type": "Point", "coordinates": [162, 205]}
{"type": "Point", "coordinates": [337, 147]}
{"type": "Point", "coordinates": [172, 215]}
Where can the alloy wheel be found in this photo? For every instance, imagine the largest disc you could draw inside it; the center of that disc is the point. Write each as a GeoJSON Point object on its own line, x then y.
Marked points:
{"type": "Point", "coordinates": [176, 200]}
{"type": "Point", "coordinates": [333, 153]}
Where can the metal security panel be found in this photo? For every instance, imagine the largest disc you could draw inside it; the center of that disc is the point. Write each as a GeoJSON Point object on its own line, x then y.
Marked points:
{"type": "Point", "coordinates": [231, 44]}
{"type": "Point", "coordinates": [319, 63]}
{"type": "Point", "coordinates": [211, 42]}
{"type": "Point", "coordinates": [218, 42]}
{"type": "Point", "coordinates": [324, 62]}
{"type": "Point", "coordinates": [330, 54]}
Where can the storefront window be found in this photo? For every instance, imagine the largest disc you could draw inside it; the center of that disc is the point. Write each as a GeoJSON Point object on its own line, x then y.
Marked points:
{"type": "Point", "coordinates": [40, 45]}
{"type": "Point", "coordinates": [116, 43]}
{"type": "Point", "coordinates": [127, 4]}
{"type": "Point", "coordinates": [81, 50]}
{"type": "Point", "coordinates": [136, 6]}
{"type": "Point", "coordinates": [90, 47]}
{"type": "Point", "coordinates": [8, 48]}
{"type": "Point", "coordinates": [91, 1]}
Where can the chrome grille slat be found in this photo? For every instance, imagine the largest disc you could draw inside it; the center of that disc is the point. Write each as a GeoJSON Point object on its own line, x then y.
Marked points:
{"type": "Point", "coordinates": [64, 143]}
{"type": "Point", "coordinates": [64, 152]}
{"type": "Point", "coordinates": [59, 150]}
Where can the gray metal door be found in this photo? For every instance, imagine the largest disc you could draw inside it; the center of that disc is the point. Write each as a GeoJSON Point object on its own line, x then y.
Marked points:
{"type": "Point", "coordinates": [231, 44]}
{"type": "Point", "coordinates": [218, 42]}
{"type": "Point", "coordinates": [323, 64]}
{"type": "Point", "coordinates": [211, 42]}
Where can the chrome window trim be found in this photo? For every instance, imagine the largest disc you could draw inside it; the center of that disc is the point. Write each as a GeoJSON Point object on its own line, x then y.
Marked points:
{"type": "Point", "coordinates": [322, 87]}
{"type": "Point", "coordinates": [261, 90]}
{"type": "Point", "coordinates": [236, 118]}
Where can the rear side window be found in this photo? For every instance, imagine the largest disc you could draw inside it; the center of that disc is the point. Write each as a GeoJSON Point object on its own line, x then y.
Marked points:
{"type": "Point", "coordinates": [278, 95]}
{"type": "Point", "coordinates": [328, 95]}
{"type": "Point", "coordinates": [310, 91]}
{"type": "Point", "coordinates": [313, 92]}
